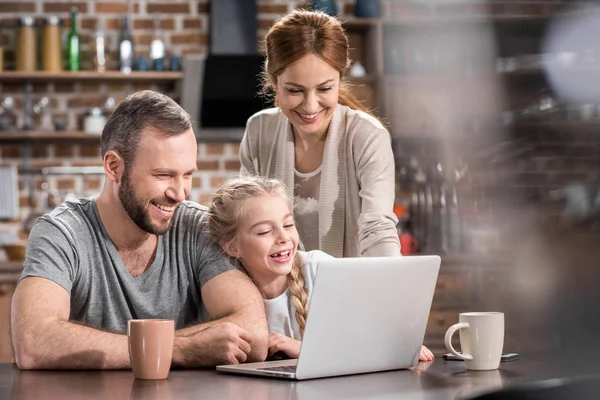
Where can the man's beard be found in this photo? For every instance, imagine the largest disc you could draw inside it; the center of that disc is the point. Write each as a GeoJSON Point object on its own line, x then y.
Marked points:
{"type": "Point", "coordinates": [135, 208]}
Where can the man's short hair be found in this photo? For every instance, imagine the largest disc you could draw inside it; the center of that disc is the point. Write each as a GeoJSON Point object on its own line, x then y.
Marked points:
{"type": "Point", "coordinates": [138, 111]}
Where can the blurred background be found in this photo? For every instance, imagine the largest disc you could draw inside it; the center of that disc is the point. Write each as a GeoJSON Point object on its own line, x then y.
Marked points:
{"type": "Point", "coordinates": [493, 108]}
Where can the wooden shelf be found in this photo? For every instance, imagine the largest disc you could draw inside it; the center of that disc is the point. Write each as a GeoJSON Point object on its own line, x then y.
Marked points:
{"type": "Point", "coordinates": [453, 20]}
{"type": "Point", "coordinates": [367, 79]}
{"type": "Point", "coordinates": [7, 267]}
{"type": "Point", "coordinates": [50, 135]}
{"type": "Point", "coordinates": [352, 23]}
{"type": "Point", "coordinates": [558, 124]}
{"type": "Point", "coordinates": [90, 75]}
{"type": "Point", "coordinates": [205, 135]}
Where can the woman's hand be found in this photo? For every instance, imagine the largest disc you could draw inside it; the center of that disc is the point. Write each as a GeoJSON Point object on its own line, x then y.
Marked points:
{"type": "Point", "coordinates": [426, 354]}
{"type": "Point", "coordinates": [285, 344]}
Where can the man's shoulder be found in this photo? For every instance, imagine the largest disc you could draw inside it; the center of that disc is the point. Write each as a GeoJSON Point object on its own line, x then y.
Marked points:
{"type": "Point", "coordinates": [190, 212]}
{"type": "Point", "coordinates": [192, 208]}
{"type": "Point", "coordinates": [191, 216]}
{"type": "Point", "coordinates": [70, 223]}
{"type": "Point", "coordinates": [72, 213]}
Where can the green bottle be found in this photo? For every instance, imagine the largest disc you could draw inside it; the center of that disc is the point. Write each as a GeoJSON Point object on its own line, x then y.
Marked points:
{"type": "Point", "coordinates": [73, 44]}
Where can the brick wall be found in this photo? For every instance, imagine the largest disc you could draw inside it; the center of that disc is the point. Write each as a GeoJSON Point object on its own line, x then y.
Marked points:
{"type": "Point", "coordinates": [185, 26]}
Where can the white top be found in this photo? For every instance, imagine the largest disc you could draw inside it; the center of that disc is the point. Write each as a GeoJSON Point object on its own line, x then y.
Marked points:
{"type": "Point", "coordinates": [306, 207]}
{"type": "Point", "coordinates": [281, 314]}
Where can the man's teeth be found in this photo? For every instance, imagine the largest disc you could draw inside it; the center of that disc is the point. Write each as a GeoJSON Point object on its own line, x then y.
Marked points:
{"type": "Point", "coordinates": [282, 254]}
{"type": "Point", "coordinates": [310, 116]}
{"type": "Point", "coordinates": [165, 208]}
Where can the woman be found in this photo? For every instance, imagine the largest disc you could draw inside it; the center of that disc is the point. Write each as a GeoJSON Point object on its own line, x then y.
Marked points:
{"type": "Point", "coordinates": [322, 142]}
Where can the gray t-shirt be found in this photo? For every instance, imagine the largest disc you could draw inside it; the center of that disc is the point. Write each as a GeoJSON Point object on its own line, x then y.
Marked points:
{"type": "Point", "coordinates": [71, 247]}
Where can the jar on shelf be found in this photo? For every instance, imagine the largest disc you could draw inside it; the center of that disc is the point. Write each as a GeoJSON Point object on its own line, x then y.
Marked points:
{"type": "Point", "coordinates": [27, 45]}
{"type": "Point", "coordinates": [94, 121]}
{"type": "Point", "coordinates": [52, 54]}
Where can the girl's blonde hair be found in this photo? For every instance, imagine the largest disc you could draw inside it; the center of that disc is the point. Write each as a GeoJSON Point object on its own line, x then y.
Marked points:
{"type": "Point", "coordinates": [227, 211]}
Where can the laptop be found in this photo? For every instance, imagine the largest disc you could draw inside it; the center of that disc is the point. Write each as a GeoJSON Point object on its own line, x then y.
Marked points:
{"type": "Point", "coordinates": [365, 315]}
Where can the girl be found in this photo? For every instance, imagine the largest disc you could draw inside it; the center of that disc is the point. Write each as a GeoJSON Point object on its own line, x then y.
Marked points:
{"type": "Point", "coordinates": [250, 219]}
{"type": "Point", "coordinates": [322, 143]}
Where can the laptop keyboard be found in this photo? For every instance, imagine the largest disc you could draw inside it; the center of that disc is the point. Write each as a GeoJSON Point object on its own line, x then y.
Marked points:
{"type": "Point", "coordinates": [289, 368]}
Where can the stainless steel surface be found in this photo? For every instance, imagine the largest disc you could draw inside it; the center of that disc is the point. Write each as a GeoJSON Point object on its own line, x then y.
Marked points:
{"type": "Point", "coordinates": [9, 193]}
{"type": "Point", "coordinates": [73, 171]}
{"type": "Point", "coordinates": [435, 380]}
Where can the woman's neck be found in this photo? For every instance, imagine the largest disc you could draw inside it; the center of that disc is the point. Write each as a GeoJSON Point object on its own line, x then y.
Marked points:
{"type": "Point", "coordinates": [308, 154]}
{"type": "Point", "coordinates": [307, 141]}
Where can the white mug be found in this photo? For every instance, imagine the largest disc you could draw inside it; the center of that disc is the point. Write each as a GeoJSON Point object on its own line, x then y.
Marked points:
{"type": "Point", "coordinates": [481, 339]}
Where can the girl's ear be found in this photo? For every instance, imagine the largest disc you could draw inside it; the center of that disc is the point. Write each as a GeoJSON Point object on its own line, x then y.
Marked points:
{"type": "Point", "coordinates": [231, 248]}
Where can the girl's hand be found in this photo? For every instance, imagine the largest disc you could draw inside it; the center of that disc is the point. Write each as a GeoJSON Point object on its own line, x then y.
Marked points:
{"type": "Point", "coordinates": [285, 344]}
{"type": "Point", "coordinates": [426, 354]}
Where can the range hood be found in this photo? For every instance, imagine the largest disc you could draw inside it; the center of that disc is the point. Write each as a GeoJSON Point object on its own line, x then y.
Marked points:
{"type": "Point", "coordinates": [233, 66]}
{"type": "Point", "coordinates": [220, 89]}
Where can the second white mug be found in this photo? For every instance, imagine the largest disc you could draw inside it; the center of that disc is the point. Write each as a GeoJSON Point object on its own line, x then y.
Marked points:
{"type": "Point", "coordinates": [481, 339]}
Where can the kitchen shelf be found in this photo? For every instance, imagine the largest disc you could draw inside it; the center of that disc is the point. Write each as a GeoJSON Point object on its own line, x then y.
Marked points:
{"type": "Point", "coordinates": [90, 75]}
{"type": "Point", "coordinates": [205, 135]}
{"type": "Point", "coordinates": [7, 267]}
{"type": "Point", "coordinates": [367, 79]}
{"type": "Point", "coordinates": [353, 23]}
{"type": "Point", "coordinates": [559, 124]}
{"type": "Point", "coordinates": [46, 135]}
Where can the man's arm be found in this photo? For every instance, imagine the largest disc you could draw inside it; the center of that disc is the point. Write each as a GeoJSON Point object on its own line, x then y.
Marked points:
{"type": "Point", "coordinates": [43, 337]}
{"type": "Point", "coordinates": [235, 305]}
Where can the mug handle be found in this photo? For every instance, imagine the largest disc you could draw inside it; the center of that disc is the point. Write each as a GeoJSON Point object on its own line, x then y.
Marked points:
{"type": "Point", "coordinates": [448, 340]}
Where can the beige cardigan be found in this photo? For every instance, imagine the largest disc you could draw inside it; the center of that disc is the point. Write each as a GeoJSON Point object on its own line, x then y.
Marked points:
{"type": "Point", "coordinates": [357, 178]}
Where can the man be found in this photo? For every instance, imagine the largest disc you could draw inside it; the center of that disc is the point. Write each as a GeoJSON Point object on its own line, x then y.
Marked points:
{"type": "Point", "coordinates": [139, 250]}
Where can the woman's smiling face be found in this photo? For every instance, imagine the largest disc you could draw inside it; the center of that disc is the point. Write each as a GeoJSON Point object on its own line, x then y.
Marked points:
{"type": "Point", "coordinates": [307, 93]}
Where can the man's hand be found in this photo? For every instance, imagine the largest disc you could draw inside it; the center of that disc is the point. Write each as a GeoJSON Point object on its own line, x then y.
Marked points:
{"type": "Point", "coordinates": [279, 342]}
{"type": "Point", "coordinates": [233, 297]}
{"type": "Point", "coordinates": [221, 343]}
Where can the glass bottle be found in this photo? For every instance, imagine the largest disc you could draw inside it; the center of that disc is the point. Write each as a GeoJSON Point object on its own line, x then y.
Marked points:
{"type": "Point", "coordinates": [99, 49]}
{"type": "Point", "coordinates": [157, 48]}
{"type": "Point", "coordinates": [73, 44]}
{"type": "Point", "coordinates": [126, 47]}
{"type": "Point", "coordinates": [8, 120]}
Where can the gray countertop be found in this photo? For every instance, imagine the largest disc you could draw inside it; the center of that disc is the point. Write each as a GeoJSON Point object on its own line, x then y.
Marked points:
{"type": "Point", "coordinates": [435, 380]}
